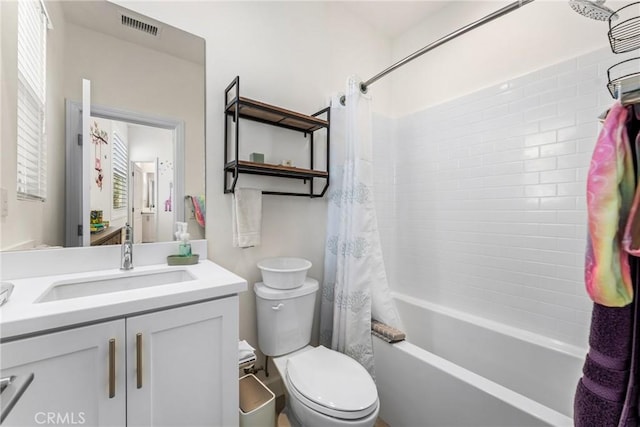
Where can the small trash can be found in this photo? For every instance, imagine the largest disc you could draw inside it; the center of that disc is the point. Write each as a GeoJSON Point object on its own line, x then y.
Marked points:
{"type": "Point", "coordinates": [257, 403]}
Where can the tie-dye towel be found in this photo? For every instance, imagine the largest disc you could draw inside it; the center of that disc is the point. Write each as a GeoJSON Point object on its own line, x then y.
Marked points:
{"type": "Point", "coordinates": [199, 209]}
{"type": "Point", "coordinates": [610, 188]}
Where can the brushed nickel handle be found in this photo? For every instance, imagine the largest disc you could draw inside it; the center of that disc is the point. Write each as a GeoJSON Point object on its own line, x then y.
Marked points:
{"type": "Point", "coordinates": [112, 368]}
{"type": "Point", "coordinates": [139, 360]}
{"type": "Point", "coordinates": [4, 382]}
{"type": "Point", "coordinates": [12, 389]}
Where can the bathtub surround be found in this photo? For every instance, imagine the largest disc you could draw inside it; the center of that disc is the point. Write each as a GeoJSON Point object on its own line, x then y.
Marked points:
{"type": "Point", "coordinates": [421, 380]}
{"type": "Point", "coordinates": [414, 383]}
{"type": "Point", "coordinates": [489, 194]}
{"type": "Point", "coordinates": [355, 287]}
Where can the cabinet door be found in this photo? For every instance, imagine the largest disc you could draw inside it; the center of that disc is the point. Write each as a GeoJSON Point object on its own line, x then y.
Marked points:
{"type": "Point", "coordinates": [183, 366]}
{"type": "Point", "coordinates": [71, 377]}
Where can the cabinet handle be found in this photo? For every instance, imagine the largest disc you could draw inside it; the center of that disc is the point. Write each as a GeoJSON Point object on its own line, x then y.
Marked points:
{"type": "Point", "coordinates": [139, 360]}
{"type": "Point", "coordinates": [112, 368]}
{"type": "Point", "coordinates": [12, 388]}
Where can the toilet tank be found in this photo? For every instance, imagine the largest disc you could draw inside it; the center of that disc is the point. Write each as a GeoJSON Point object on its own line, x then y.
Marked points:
{"type": "Point", "coordinates": [285, 317]}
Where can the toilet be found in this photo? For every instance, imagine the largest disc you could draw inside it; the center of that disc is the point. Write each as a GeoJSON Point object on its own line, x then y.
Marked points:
{"type": "Point", "coordinates": [324, 388]}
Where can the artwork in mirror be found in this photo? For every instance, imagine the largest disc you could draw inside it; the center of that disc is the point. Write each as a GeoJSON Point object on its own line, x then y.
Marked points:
{"type": "Point", "coordinates": [147, 115]}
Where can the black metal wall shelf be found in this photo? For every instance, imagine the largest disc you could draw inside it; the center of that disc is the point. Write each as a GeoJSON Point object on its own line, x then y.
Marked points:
{"type": "Point", "coordinates": [274, 170]}
{"type": "Point", "coordinates": [276, 116]}
{"type": "Point", "coordinates": [244, 108]}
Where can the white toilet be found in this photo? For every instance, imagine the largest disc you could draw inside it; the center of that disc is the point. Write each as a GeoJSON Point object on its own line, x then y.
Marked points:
{"type": "Point", "coordinates": [325, 388]}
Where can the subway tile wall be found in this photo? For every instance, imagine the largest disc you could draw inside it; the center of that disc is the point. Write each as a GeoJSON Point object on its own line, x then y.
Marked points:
{"type": "Point", "coordinates": [481, 200]}
{"type": "Point", "coordinates": [384, 164]}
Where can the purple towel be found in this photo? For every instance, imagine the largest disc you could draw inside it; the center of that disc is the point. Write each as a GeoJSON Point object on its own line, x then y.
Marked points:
{"type": "Point", "coordinates": [591, 410]}
{"type": "Point", "coordinates": [602, 389]}
{"type": "Point", "coordinates": [611, 329]}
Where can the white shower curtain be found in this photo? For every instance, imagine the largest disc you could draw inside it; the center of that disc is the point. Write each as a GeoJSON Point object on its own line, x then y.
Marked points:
{"type": "Point", "coordinates": [355, 287]}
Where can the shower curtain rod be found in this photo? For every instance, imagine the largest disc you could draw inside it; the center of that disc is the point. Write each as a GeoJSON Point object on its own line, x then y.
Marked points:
{"type": "Point", "coordinates": [497, 14]}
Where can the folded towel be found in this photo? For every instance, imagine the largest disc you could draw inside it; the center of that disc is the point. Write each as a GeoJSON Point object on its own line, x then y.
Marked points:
{"type": "Point", "coordinates": [246, 217]}
{"type": "Point", "coordinates": [245, 352]}
{"type": "Point", "coordinates": [600, 395]}
{"type": "Point", "coordinates": [199, 209]}
{"type": "Point", "coordinates": [611, 331]}
{"type": "Point", "coordinates": [591, 410]}
{"type": "Point", "coordinates": [610, 188]}
{"type": "Point", "coordinates": [386, 332]}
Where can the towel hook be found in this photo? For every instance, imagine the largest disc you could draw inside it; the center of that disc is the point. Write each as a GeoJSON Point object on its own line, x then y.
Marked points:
{"type": "Point", "coordinates": [619, 91]}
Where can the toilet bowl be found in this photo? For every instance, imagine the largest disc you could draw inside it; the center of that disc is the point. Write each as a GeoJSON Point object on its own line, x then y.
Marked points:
{"type": "Point", "coordinates": [324, 388]}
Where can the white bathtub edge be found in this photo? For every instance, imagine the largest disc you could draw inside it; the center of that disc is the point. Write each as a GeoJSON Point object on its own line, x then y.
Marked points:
{"type": "Point", "coordinates": [517, 333]}
{"type": "Point", "coordinates": [512, 398]}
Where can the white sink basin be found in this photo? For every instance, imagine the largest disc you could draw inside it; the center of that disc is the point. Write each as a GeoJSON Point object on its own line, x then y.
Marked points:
{"type": "Point", "coordinates": [107, 284]}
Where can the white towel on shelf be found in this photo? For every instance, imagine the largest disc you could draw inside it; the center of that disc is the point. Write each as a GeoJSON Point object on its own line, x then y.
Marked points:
{"type": "Point", "coordinates": [245, 352]}
{"type": "Point", "coordinates": [246, 217]}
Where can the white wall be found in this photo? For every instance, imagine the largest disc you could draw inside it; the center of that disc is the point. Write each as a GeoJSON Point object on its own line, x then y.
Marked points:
{"type": "Point", "coordinates": [102, 199]}
{"type": "Point", "coordinates": [119, 217]}
{"type": "Point", "coordinates": [54, 207]}
{"type": "Point", "coordinates": [25, 223]}
{"type": "Point", "coordinates": [292, 54]}
{"type": "Point", "coordinates": [145, 144]}
{"type": "Point", "coordinates": [537, 35]}
{"type": "Point", "coordinates": [385, 168]}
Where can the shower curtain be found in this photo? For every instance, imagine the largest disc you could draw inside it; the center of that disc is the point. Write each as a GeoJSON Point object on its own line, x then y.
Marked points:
{"type": "Point", "coordinates": [355, 287]}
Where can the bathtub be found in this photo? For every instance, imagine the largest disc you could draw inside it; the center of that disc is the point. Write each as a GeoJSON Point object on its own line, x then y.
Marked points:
{"type": "Point", "coordinates": [456, 369]}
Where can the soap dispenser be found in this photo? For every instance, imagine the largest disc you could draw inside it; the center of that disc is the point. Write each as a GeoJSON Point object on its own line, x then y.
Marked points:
{"type": "Point", "coordinates": [184, 249]}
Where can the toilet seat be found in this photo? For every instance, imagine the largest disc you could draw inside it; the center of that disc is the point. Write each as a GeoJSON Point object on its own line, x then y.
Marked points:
{"type": "Point", "coordinates": [332, 384]}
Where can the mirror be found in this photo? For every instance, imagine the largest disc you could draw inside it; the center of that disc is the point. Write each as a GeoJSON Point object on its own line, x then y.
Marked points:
{"type": "Point", "coordinates": [148, 185]}
{"type": "Point", "coordinates": [147, 95]}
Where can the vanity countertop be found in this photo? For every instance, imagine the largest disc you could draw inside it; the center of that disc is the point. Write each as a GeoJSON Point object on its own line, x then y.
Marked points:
{"type": "Point", "coordinates": [23, 315]}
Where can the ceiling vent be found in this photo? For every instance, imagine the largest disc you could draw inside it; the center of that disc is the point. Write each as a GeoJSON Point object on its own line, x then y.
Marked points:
{"type": "Point", "coordinates": [130, 22]}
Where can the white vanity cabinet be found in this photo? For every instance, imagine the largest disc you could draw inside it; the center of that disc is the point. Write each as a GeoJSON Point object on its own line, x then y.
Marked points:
{"type": "Point", "coordinates": [185, 371]}
{"type": "Point", "coordinates": [71, 376]}
{"type": "Point", "coordinates": [148, 227]}
{"type": "Point", "coordinates": [172, 367]}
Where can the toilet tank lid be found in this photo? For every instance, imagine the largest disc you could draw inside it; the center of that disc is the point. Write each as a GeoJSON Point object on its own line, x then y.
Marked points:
{"type": "Point", "coordinates": [263, 291]}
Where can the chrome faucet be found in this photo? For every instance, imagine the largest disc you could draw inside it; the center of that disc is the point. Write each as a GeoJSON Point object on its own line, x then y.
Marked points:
{"type": "Point", "coordinates": [126, 262]}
